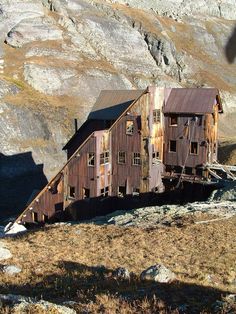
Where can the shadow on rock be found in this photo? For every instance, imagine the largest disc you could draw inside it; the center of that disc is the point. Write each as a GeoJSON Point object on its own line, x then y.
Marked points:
{"type": "Point", "coordinates": [230, 49]}
{"type": "Point", "coordinates": [20, 179]}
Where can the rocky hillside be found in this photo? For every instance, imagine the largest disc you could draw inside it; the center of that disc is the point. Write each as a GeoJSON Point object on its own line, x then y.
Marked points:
{"type": "Point", "coordinates": [56, 56]}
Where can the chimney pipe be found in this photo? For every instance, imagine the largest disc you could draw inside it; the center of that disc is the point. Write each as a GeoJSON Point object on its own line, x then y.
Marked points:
{"type": "Point", "coordinates": [76, 125]}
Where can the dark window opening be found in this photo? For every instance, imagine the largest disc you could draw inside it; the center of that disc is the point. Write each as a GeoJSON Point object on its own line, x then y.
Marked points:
{"type": "Point", "coordinates": [199, 172]}
{"type": "Point", "coordinates": [136, 159]}
{"type": "Point", "coordinates": [129, 127]}
{"type": "Point", "coordinates": [121, 191]}
{"type": "Point", "coordinates": [91, 159]}
{"type": "Point", "coordinates": [104, 158]}
{"type": "Point", "coordinates": [35, 217]}
{"type": "Point", "coordinates": [121, 157]}
{"type": "Point", "coordinates": [156, 115]}
{"type": "Point", "coordinates": [172, 146]}
{"type": "Point", "coordinates": [58, 207]}
{"type": "Point", "coordinates": [155, 157]}
{"type": "Point", "coordinates": [173, 120]}
{"type": "Point", "coordinates": [86, 193]}
{"type": "Point", "coordinates": [71, 191]}
{"type": "Point", "coordinates": [105, 191]}
{"type": "Point", "coordinates": [194, 148]}
{"type": "Point", "coordinates": [188, 170]}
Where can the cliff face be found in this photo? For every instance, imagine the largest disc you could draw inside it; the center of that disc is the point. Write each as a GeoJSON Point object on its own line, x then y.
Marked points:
{"type": "Point", "coordinates": [56, 56]}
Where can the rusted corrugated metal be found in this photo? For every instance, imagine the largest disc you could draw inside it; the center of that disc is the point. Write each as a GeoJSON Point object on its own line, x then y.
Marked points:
{"type": "Point", "coordinates": [191, 100]}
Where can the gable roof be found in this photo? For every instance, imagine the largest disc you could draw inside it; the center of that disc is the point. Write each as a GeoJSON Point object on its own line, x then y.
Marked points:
{"type": "Point", "coordinates": [191, 100]}
{"type": "Point", "coordinates": [112, 103]}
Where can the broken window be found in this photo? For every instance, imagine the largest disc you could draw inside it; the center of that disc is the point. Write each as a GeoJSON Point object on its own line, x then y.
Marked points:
{"type": "Point", "coordinates": [194, 148]}
{"type": "Point", "coordinates": [156, 115]}
{"type": "Point", "coordinates": [71, 191]}
{"type": "Point", "coordinates": [173, 120]}
{"type": "Point", "coordinates": [105, 191]}
{"type": "Point", "coordinates": [155, 157]}
{"type": "Point", "coordinates": [121, 191]}
{"type": "Point", "coordinates": [121, 157]}
{"type": "Point", "coordinates": [34, 217]}
{"type": "Point", "coordinates": [86, 193]}
{"type": "Point", "coordinates": [129, 127]}
{"type": "Point", "coordinates": [91, 159]}
{"type": "Point", "coordinates": [136, 159]}
{"type": "Point", "coordinates": [104, 158]}
{"type": "Point", "coordinates": [172, 146]}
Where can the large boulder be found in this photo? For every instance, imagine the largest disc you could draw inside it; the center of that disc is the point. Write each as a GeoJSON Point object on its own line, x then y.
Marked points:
{"type": "Point", "coordinates": [37, 29]}
{"type": "Point", "coordinates": [158, 273]}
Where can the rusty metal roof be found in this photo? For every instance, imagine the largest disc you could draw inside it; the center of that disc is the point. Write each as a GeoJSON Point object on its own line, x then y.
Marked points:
{"type": "Point", "coordinates": [111, 103]}
{"type": "Point", "coordinates": [191, 100]}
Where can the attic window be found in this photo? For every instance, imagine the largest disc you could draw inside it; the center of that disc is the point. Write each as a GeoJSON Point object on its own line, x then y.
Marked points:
{"type": "Point", "coordinates": [91, 159]}
{"type": "Point", "coordinates": [156, 116]}
{"type": "Point", "coordinates": [130, 127]}
{"type": "Point", "coordinates": [71, 191]}
{"type": "Point", "coordinates": [121, 157]}
{"type": "Point", "coordinates": [172, 146]}
{"type": "Point", "coordinates": [173, 120]}
{"type": "Point", "coordinates": [104, 158]}
{"type": "Point", "coordinates": [194, 148]}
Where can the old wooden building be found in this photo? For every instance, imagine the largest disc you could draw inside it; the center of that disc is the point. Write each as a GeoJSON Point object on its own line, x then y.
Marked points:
{"type": "Point", "coordinates": [134, 142]}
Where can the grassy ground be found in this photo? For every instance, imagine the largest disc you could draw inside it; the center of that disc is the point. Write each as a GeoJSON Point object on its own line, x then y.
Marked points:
{"type": "Point", "coordinates": [77, 262]}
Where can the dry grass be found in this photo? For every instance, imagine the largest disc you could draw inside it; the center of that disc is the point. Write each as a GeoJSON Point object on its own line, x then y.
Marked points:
{"type": "Point", "coordinates": [59, 264]}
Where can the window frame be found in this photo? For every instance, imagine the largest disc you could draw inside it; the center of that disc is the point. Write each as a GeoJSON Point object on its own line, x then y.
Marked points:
{"type": "Point", "coordinates": [131, 131]}
{"type": "Point", "coordinates": [136, 158]}
{"type": "Point", "coordinates": [104, 192]}
{"type": "Point", "coordinates": [69, 192]}
{"type": "Point", "coordinates": [173, 116]}
{"type": "Point", "coordinates": [155, 157]}
{"type": "Point", "coordinates": [91, 158]}
{"type": "Point", "coordinates": [156, 117]}
{"type": "Point", "coordinates": [191, 152]}
{"type": "Point", "coordinates": [120, 162]}
{"type": "Point", "coordinates": [105, 157]}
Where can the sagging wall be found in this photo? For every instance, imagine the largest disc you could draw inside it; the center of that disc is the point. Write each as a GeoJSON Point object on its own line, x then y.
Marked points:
{"type": "Point", "coordinates": [200, 129]}
{"type": "Point", "coordinates": [146, 139]}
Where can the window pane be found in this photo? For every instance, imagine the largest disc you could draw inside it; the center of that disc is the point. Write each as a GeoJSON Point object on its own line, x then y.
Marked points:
{"type": "Point", "coordinates": [136, 159]}
{"type": "Point", "coordinates": [156, 115]}
{"type": "Point", "coordinates": [121, 157]}
{"type": "Point", "coordinates": [91, 159]}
